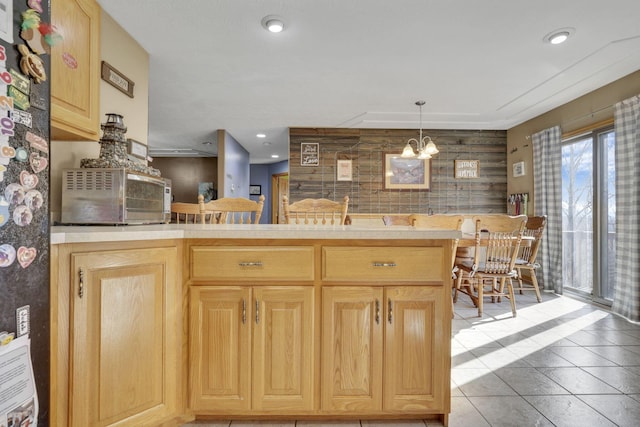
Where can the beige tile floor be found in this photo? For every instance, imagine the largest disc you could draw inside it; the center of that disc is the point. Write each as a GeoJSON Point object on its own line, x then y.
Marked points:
{"type": "Point", "coordinates": [563, 362]}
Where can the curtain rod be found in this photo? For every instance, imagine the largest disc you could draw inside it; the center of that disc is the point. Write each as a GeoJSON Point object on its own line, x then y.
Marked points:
{"type": "Point", "coordinates": [600, 110]}
{"type": "Point", "coordinates": [575, 119]}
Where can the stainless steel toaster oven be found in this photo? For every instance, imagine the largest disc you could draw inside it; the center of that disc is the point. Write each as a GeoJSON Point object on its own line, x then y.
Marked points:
{"type": "Point", "coordinates": [114, 196]}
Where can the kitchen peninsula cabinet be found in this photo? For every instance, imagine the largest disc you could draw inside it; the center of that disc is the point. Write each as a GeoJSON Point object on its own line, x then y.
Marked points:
{"type": "Point", "coordinates": [75, 70]}
{"type": "Point", "coordinates": [380, 342]}
{"type": "Point", "coordinates": [279, 322]}
{"type": "Point", "coordinates": [252, 343]}
{"type": "Point", "coordinates": [118, 356]}
{"type": "Point", "coordinates": [251, 349]}
{"type": "Point", "coordinates": [378, 349]}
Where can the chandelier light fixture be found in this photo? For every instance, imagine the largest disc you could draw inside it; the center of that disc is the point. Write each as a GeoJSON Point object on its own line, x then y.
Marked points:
{"type": "Point", "coordinates": [425, 147]}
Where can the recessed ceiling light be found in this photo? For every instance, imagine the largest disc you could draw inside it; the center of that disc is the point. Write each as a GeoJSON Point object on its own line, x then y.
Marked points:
{"type": "Point", "coordinates": [559, 36]}
{"type": "Point", "coordinates": [273, 23]}
{"type": "Point", "coordinates": [207, 143]}
{"type": "Point", "coordinates": [261, 135]}
{"type": "Point", "coordinates": [275, 156]}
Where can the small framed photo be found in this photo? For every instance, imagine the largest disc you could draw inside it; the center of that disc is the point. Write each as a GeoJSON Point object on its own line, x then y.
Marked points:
{"type": "Point", "coordinates": [518, 169]}
{"type": "Point", "coordinates": [401, 173]}
{"type": "Point", "coordinates": [344, 171]}
{"type": "Point", "coordinates": [255, 190]}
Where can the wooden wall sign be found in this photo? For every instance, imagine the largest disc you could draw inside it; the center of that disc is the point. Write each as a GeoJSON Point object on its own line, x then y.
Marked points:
{"type": "Point", "coordinates": [467, 169]}
{"type": "Point", "coordinates": [116, 79]}
{"type": "Point", "coordinates": [309, 154]}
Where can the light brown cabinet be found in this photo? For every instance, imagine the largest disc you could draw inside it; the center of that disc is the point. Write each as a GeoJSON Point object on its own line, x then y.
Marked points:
{"type": "Point", "coordinates": [313, 328]}
{"type": "Point", "coordinates": [251, 349]}
{"type": "Point", "coordinates": [123, 363]}
{"type": "Point", "coordinates": [75, 70]}
{"type": "Point", "coordinates": [380, 347]}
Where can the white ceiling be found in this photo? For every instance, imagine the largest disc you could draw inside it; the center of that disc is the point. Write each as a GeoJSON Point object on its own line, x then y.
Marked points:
{"type": "Point", "coordinates": [364, 64]}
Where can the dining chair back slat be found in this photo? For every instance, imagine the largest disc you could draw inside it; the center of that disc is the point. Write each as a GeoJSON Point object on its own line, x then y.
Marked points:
{"type": "Point", "coordinates": [497, 242]}
{"type": "Point", "coordinates": [526, 260]}
{"type": "Point", "coordinates": [185, 213]}
{"type": "Point", "coordinates": [315, 211]}
{"type": "Point", "coordinates": [231, 210]}
{"type": "Point", "coordinates": [441, 222]}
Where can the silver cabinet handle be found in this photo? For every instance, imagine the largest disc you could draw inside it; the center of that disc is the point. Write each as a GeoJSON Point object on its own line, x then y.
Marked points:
{"type": "Point", "coordinates": [244, 311]}
{"type": "Point", "coordinates": [390, 311]}
{"type": "Point", "coordinates": [377, 312]}
{"type": "Point", "coordinates": [384, 264]}
{"type": "Point", "coordinates": [250, 264]}
{"type": "Point", "coordinates": [81, 287]}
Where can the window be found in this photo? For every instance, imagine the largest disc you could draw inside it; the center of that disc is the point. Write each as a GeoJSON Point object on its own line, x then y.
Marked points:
{"type": "Point", "coordinates": [588, 214]}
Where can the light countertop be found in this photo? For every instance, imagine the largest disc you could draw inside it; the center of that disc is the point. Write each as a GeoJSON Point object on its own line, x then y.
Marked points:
{"type": "Point", "coordinates": [109, 233]}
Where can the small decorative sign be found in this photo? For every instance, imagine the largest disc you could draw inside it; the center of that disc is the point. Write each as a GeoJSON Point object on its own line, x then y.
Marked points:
{"type": "Point", "coordinates": [518, 169]}
{"type": "Point", "coordinates": [116, 79]}
{"type": "Point", "coordinates": [344, 171]}
{"type": "Point", "coordinates": [467, 169]}
{"type": "Point", "coordinates": [309, 154]}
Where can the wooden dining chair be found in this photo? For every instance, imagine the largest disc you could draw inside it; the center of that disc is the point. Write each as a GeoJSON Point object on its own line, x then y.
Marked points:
{"type": "Point", "coordinates": [526, 259]}
{"type": "Point", "coordinates": [497, 241]}
{"type": "Point", "coordinates": [315, 211]}
{"type": "Point", "coordinates": [185, 213]}
{"type": "Point", "coordinates": [396, 219]}
{"type": "Point", "coordinates": [441, 222]}
{"type": "Point", "coordinates": [231, 210]}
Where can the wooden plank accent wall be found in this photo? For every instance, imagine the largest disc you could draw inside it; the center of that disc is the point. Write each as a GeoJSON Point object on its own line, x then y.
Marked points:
{"type": "Point", "coordinates": [366, 148]}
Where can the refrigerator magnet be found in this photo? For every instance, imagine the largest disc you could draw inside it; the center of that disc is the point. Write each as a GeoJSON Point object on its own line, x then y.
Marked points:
{"type": "Point", "coordinates": [20, 100]}
{"type": "Point", "coordinates": [4, 211]}
{"type": "Point", "coordinates": [22, 216]}
{"type": "Point", "coordinates": [38, 163]}
{"type": "Point", "coordinates": [22, 117]}
{"type": "Point", "coordinates": [32, 65]}
{"type": "Point", "coordinates": [28, 180]}
{"type": "Point", "coordinates": [7, 255]}
{"type": "Point", "coordinates": [37, 142]}
{"type": "Point", "coordinates": [26, 256]}
{"type": "Point", "coordinates": [20, 82]}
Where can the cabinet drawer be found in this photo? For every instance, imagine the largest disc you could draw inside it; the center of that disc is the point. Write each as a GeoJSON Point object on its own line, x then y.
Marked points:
{"type": "Point", "coordinates": [397, 264]}
{"type": "Point", "coordinates": [252, 262]}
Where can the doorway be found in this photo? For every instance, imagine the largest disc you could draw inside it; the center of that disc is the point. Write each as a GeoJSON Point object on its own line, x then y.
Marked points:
{"type": "Point", "coordinates": [589, 215]}
{"type": "Point", "coordinates": [279, 188]}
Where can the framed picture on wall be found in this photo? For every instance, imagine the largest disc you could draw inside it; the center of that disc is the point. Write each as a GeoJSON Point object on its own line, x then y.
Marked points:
{"type": "Point", "coordinates": [401, 173]}
{"type": "Point", "coordinates": [518, 169]}
{"type": "Point", "coordinates": [344, 171]}
{"type": "Point", "coordinates": [255, 190]}
{"type": "Point", "coordinates": [207, 191]}
{"type": "Point", "coordinates": [309, 154]}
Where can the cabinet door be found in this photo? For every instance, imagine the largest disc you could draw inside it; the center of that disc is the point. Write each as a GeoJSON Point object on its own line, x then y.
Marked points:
{"type": "Point", "coordinates": [124, 337]}
{"type": "Point", "coordinates": [415, 353]}
{"type": "Point", "coordinates": [352, 348]}
{"type": "Point", "coordinates": [283, 350]}
{"type": "Point", "coordinates": [75, 70]}
{"type": "Point", "coordinates": [220, 342]}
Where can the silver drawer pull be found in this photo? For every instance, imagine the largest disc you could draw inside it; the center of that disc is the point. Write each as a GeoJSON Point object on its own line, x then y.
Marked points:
{"type": "Point", "coordinates": [251, 264]}
{"type": "Point", "coordinates": [384, 264]}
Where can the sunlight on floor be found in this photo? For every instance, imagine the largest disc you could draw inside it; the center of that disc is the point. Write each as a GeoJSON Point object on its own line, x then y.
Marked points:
{"type": "Point", "coordinates": [504, 327]}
